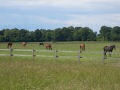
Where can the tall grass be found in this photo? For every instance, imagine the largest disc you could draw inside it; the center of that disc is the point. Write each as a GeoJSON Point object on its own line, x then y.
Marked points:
{"type": "Point", "coordinates": [26, 74]}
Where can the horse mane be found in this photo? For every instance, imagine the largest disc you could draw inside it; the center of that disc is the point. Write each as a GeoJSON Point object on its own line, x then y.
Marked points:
{"type": "Point", "coordinates": [113, 46]}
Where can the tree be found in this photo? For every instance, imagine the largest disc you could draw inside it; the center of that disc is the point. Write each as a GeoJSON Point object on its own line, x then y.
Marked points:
{"type": "Point", "coordinates": [11, 35]}
{"type": "Point", "coordinates": [38, 35]}
{"type": "Point", "coordinates": [116, 33]}
{"type": "Point", "coordinates": [49, 36]}
{"type": "Point", "coordinates": [24, 35]}
{"type": "Point", "coordinates": [105, 33]}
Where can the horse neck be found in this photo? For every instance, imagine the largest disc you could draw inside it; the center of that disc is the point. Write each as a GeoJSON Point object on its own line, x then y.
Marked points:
{"type": "Point", "coordinates": [112, 48]}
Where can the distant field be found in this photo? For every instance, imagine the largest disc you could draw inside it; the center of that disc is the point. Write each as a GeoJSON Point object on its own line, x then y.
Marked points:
{"type": "Point", "coordinates": [94, 50]}
{"type": "Point", "coordinates": [22, 73]}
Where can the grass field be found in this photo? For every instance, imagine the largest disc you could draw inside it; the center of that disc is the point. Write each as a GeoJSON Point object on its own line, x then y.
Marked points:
{"type": "Point", "coordinates": [23, 73]}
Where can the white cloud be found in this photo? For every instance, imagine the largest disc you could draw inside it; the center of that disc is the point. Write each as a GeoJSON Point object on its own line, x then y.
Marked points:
{"type": "Point", "coordinates": [94, 20]}
{"type": "Point", "coordinates": [73, 19]}
{"type": "Point", "coordinates": [91, 20]}
{"type": "Point", "coordinates": [58, 3]}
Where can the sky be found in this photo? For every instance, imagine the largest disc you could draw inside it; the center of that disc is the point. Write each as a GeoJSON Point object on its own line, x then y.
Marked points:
{"type": "Point", "coordinates": [51, 14]}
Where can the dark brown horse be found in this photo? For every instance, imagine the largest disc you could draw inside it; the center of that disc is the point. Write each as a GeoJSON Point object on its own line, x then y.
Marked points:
{"type": "Point", "coordinates": [41, 43]}
{"type": "Point", "coordinates": [24, 43]}
{"type": "Point", "coordinates": [108, 49]}
{"type": "Point", "coordinates": [9, 45]}
{"type": "Point", "coordinates": [82, 47]}
{"type": "Point", "coordinates": [48, 46]}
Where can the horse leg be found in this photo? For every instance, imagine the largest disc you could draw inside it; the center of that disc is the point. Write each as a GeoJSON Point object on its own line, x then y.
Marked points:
{"type": "Point", "coordinates": [105, 55]}
{"type": "Point", "coordinates": [80, 50]}
{"type": "Point", "coordinates": [8, 46]}
{"type": "Point", "coordinates": [84, 48]}
{"type": "Point", "coordinates": [47, 48]}
{"type": "Point", "coordinates": [110, 54]}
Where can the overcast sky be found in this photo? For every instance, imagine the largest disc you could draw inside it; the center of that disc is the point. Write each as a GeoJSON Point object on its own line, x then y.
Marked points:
{"type": "Point", "coordinates": [50, 14]}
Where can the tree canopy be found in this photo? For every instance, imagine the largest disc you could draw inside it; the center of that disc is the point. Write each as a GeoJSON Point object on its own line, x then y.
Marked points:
{"type": "Point", "coordinates": [60, 34]}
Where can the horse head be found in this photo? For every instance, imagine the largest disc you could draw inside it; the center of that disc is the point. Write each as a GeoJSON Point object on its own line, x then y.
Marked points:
{"type": "Point", "coordinates": [114, 47]}
{"type": "Point", "coordinates": [9, 45]}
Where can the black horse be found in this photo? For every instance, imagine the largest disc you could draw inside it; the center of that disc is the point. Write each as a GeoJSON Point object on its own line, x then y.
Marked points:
{"type": "Point", "coordinates": [108, 49]}
{"type": "Point", "coordinates": [41, 43]}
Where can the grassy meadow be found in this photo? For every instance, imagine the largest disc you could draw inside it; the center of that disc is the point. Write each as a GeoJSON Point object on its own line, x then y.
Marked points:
{"type": "Point", "coordinates": [46, 73]}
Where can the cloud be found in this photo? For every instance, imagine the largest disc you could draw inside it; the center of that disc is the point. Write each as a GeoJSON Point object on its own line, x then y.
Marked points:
{"type": "Point", "coordinates": [92, 21]}
{"type": "Point", "coordinates": [57, 13]}
{"type": "Point", "coordinates": [100, 19]}
{"type": "Point", "coordinates": [83, 4]}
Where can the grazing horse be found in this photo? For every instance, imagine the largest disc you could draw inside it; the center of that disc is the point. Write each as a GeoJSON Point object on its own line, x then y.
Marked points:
{"type": "Point", "coordinates": [41, 43]}
{"type": "Point", "coordinates": [48, 46]}
{"type": "Point", "coordinates": [108, 49]}
{"type": "Point", "coordinates": [24, 43]}
{"type": "Point", "coordinates": [82, 47]}
{"type": "Point", "coordinates": [9, 45]}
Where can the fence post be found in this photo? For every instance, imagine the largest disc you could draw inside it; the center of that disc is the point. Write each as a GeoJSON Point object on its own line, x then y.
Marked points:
{"type": "Point", "coordinates": [79, 55]}
{"type": "Point", "coordinates": [33, 54]}
{"type": "Point", "coordinates": [11, 52]}
{"type": "Point", "coordinates": [103, 58]}
{"type": "Point", "coordinates": [56, 56]}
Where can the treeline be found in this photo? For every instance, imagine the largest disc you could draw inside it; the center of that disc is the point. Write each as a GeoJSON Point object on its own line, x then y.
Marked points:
{"type": "Point", "coordinates": [109, 33]}
{"type": "Point", "coordinates": [60, 34]}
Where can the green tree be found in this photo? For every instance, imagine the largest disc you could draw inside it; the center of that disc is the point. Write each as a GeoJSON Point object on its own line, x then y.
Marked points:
{"type": "Point", "coordinates": [11, 35]}
{"type": "Point", "coordinates": [38, 35]}
{"type": "Point", "coordinates": [105, 33]}
{"type": "Point", "coordinates": [116, 33]}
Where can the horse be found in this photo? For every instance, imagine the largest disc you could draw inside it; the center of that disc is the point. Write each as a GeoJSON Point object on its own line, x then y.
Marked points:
{"type": "Point", "coordinates": [108, 49]}
{"type": "Point", "coordinates": [82, 47]}
{"type": "Point", "coordinates": [41, 43]}
{"type": "Point", "coordinates": [24, 43]}
{"type": "Point", "coordinates": [9, 44]}
{"type": "Point", "coordinates": [48, 46]}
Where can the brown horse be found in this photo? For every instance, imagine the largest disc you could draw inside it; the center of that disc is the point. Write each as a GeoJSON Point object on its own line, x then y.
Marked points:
{"type": "Point", "coordinates": [9, 45]}
{"type": "Point", "coordinates": [82, 47]}
{"type": "Point", "coordinates": [48, 46]}
{"type": "Point", "coordinates": [24, 43]}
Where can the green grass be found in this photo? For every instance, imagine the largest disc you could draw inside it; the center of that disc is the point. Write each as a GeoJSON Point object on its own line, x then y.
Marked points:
{"type": "Point", "coordinates": [24, 73]}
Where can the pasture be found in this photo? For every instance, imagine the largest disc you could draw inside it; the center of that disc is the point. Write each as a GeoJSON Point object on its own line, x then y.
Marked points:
{"type": "Point", "coordinates": [46, 73]}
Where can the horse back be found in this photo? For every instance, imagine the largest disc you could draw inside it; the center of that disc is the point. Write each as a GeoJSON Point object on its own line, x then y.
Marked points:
{"type": "Point", "coordinates": [82, 45]}
{"type": "Point", "coordinates": [48, 46]}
